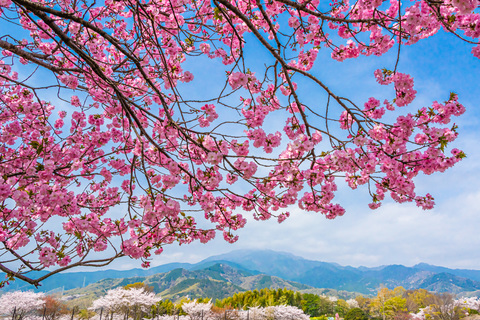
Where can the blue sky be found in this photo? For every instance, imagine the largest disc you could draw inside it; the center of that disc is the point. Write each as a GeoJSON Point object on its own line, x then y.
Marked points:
{"type": "Point", "coordinates": [448, 235]}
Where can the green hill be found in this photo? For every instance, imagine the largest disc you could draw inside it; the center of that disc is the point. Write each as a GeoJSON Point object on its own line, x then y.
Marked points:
{"type": "Point", "coordinates": [217, 281]}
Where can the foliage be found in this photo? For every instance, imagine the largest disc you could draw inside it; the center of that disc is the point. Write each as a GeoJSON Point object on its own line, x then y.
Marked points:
{"type": "Point", "coordinates": [471, 304]}
{"type": "Point", "coordinates": [311, 304]}
{"type": "Point", "coordinates": [356, 314]}
{"type": "Point", "coordinates": [418, 299]}
{"type": "Point", "coordinates": [85, 314]}
{"type": "Point", "coordinates": [165, 306]}
{"type": "Point", "coordinates": [441, 307]}
{"type": "Point", "coordinates": [363, 303]}
{"type": "Point", "coordinates": [54, 308]}
{"type": "Point", "coordinates": [396, 305]}
{"type": "Point", "coordinates": [402, 315]}
{"type": "Point", "coordinates": [261, 298]}
{"type": "Point", "coordinates": [315, 305]}
{"type": "Point", "coordinates": [139, 285]}
{"type": "Point", "coordinates": [418, 304]}
{"type": "Point", "coordinates": [98, 113]}
{"type": "Point", "coordinates": [223, 312]}
{"type": "Point", "coordinates": [123, 303]}
{"type": "Point", "coordinates": [446, 307]}
{"type": "Point", "coordinates": [388, 303]}
{"type": "Point", "coordinates": [341, 307]}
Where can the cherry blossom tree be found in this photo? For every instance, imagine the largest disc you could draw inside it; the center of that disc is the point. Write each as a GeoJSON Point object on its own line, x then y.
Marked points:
{"type": "Point", "coordinates": [445, 307]}
{"type": "Point", "coordinates": [21, 303]}
{"type": "Point", "coordinates": [169, 317]}
{"type": "Point", "coordinates": [352, 303]}
{"type": "Point", "coordinates": [107, 146]}
{"type": "Point", "coordinates": [254, 313]}
{"type": "Point", "coordinates": [121, 300]}
{"type": "Point", "coordinates": [281, 312]}
{"type": "Point", "coordinates": [287, 313]}
{"type": "Point", "coordinates": [202, 311]}
{"type": "Point", "coordinates": [472, 303]}
{"type": "Point", "coordinates": [197, 311]}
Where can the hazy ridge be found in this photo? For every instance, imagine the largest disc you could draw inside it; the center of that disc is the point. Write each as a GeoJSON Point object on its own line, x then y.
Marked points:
{"type": "Point", "coordinates": [222, 275]}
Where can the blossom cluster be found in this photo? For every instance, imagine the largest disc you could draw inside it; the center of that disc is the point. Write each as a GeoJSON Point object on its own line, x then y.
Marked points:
{"type": "Point", "coordinates": [121, 299]}
{"type": "Point", "coordinates": [21, 302]}
{"type": "Point", "coordinates": [129, 155]}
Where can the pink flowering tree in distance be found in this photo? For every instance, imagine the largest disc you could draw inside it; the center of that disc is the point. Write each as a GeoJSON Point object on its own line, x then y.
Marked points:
{"type": "Point", "coordinates": [107, 146]}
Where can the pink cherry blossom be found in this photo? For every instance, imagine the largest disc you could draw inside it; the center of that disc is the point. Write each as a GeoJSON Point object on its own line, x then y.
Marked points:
{"type": "Point", "coordinates": [159, 117]}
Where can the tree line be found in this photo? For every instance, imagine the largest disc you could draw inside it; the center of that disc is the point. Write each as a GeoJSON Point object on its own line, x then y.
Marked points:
{"type": "Point", "coordinates": [388, 304]}
{"type": "Point", "coordinates": [138, 301]}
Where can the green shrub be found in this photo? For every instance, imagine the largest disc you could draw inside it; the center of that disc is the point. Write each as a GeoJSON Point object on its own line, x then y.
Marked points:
{"type": "Point", "coordinates": [86, 314]}
{"type": "Point", "coordinates": [356, 314]}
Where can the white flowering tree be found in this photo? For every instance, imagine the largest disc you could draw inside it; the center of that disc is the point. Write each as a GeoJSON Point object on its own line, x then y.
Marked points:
{"type": "Point", "coordinates": [172, 317]}
{"type": "Point", "coordinates": [420, 315]}
{"type": "Point", "coordinates": [282, 312]}
{"type": "Point", "coordinates": [18, 304]}
{"type": "Point", "coordinates": [254, 313]}
{"type": "Point", "coordinates": [121, 300]}
{"type": "Point", "coordinates": [198, 311]}
{"type": "Point", "coordinates": [352, 303]}
{"type": "Point", "coordinates": [285, 312]}
{"type": "Point", "coordinates": [472, 303]}
{"type": "Point", "coordinates": [452, 309]}
{"type": "Point", "coordinates": [445, 307]}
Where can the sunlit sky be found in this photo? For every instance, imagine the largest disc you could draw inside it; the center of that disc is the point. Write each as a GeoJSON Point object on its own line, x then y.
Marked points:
{"type": "Point", "coordinates": [403, 234]}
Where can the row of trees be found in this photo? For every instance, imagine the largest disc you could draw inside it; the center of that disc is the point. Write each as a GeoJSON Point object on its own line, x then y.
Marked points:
{"type": "Point", "coordinates": [417, 304]}
{"type": "Point", "coordinates": [312, 304]}
{"type": "Point", "coordinates": [389, 304]}
{"type": "Point", "coordinates": [20, 304]}
{"type": "Point", "coordinates": [138, 301]}
{"type": "Point", "coordinates": [138, 298]}
{"type": "Point", "coordinates": [206, 311]}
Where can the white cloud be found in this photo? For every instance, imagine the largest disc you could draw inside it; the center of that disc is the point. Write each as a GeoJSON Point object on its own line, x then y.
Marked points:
{"type": "Point", "coordinates": [393, 234]}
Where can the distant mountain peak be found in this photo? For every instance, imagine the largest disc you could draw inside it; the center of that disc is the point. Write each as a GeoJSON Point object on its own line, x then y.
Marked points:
{"type": "Point", "coordinates": [268, 267]}
{"type": "Point", "coordinates": [238, 254]}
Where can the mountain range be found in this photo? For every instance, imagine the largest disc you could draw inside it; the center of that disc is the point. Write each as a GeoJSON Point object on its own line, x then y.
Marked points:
{"type": "Point", "coordinates": [222, 275]}
{"type": "Point", "coordinates": [217, 281]}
